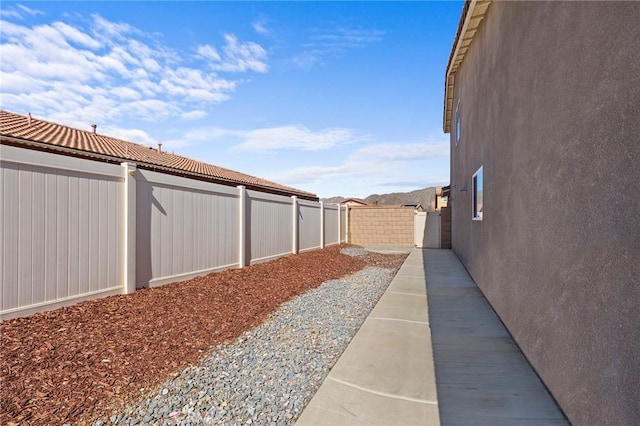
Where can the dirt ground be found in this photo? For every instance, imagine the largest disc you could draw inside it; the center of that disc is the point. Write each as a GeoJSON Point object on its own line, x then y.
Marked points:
{"type": "Point", "coordinates": [70, 364]}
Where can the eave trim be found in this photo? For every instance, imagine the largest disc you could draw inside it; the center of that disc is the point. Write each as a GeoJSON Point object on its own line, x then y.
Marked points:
{"type": "Point", "coordinates": [472, 14]}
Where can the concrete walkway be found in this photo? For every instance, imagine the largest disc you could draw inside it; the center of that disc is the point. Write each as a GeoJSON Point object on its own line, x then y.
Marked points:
{"type": "Point", "coordinates": [386, 374]}
{"type": "Point", "coordinates": [482, 377]}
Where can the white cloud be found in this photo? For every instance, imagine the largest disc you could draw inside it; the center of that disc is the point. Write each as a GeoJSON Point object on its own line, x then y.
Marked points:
{"type": "Point", "coordinates": [334, 42]}
{"type": "Point", "coordinates": [307, 60]}
{"type": "Point", "coordinates": [346, 38]}
{"type": "Point", "coordinates": [150, 109]}
{"type": "Point", "coordinates": [99, 69]}
{"type": "Point", "coordinates": [111, 31]}
{"type": "Point", "coordinates": [193, 115]}
{"type": "Point", "coordinates": [10, 13]}
{"type": "Point", "coordinates": [73, 34]}
{"type": "Point", "coordinates": [311, 174]}
{"type": "Point", "coordinates": [296, 137]}
{"type": "Point", "coordinates": [383, 175]}
{"type": "Point", "coordinates": [202, 135]}
{"type": "Point", "coordinates": [208, 52]}
{"type": "Point", "coordinates": [29, 11]}
{"type": "Point", "coordinates": [147, 88]}
{"type": "Point", "coordinates": [130, 135]}
{"type": "Point", "coordinates": [289, 137]}
{"type": "Point", "coordinates": [151, 65]}
{"type": "Point", "coordinates": [18, 12]}
{"type": "Point", "coordinates": [241, 57]}
{"type": "Point", "coordinates": [207, 134]}
{"type": "Point", "coordinates": [381, 167]}
{"type": "Point", "coordinates": [18, 82]}
{"type": "Point", "coordinates": [126, 93]}
{"type": "Point", "coordinates": [328, 157]}
{"type": "Point", "coordinates": [260, 27]}
{"type": "Point", "coordinates": [403, 151]}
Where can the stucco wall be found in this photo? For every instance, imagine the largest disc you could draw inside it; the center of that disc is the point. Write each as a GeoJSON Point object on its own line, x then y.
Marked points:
{"type": "Point", "coordinates": [381, 226]}
{"type": "Point", "coordinates": [550, 105]}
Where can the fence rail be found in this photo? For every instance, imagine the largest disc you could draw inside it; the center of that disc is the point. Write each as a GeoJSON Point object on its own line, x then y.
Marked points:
{"type": "Point", "coordinates": [74, 229]}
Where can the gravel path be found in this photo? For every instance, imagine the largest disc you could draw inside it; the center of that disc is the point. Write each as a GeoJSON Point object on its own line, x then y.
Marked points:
{"type": "Point", "coordinates": [268, 374]}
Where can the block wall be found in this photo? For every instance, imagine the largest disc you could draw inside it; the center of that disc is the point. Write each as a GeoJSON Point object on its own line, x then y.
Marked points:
{"type": "Point", "coordinates": [381, 226]}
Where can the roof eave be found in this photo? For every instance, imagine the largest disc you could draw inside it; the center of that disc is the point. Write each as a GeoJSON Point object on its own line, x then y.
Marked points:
{"type": "Point", "coordinates": [12, 140]}
{"type": "Point", "coordinates": [472, 14]}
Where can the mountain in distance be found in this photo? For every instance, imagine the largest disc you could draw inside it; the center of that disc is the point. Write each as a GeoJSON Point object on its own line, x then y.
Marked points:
{"type": "Point", "coordinates": [425, 196]}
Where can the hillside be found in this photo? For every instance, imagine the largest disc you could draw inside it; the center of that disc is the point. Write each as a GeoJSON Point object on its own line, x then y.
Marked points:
{"type": "Point", "coordinates": [424, 196]}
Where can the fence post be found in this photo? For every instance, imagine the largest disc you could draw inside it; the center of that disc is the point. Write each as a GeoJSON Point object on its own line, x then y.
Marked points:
{"type": "Point", "coordinates": [346, 224]}
{"type": "Point", "coordinates": [242, 229]}
{"type": "Point", "coordinates": [294, 240]}
{"type": "Point", "coordinates": [321, 224]}
{"type": "Point", "coordinates": [339, 223]}
{"type": "Point", "coordinates": [129, 228]}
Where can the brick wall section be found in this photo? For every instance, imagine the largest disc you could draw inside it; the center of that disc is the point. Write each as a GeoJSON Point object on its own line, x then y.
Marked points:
{"type": "Point", "coordinates": [381, 226]}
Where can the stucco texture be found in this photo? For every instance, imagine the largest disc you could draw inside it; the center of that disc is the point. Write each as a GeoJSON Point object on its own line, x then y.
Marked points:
{"type": "Point", "coordinates": [550, 107]}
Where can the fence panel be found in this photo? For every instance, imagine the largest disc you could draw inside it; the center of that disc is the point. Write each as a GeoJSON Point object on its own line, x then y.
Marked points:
{"type": "Point", "coordinates": [331, 225]}
{"type": "Point", "coordinates": [269, 226]}
{"type": "Point", "coordinates": [61, 219]}
{"type": "Point", "coordinates": [308, 225]}
{"type": "Point", "coordinates": [184, 228]}
{"type": "Point", "coordinates": [65, 232]}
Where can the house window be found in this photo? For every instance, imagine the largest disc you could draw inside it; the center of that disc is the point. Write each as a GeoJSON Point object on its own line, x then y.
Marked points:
{"type": "Point", "coordinates": [476, 184]}
{"type": "Point", "coordinates": [457, 118]}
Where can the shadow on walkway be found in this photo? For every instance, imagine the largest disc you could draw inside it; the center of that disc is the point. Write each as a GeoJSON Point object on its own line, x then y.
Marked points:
{"type": "Point", "coordinates": [482, 378]}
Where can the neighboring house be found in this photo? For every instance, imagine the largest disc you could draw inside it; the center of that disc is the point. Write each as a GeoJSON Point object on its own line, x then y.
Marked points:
{"type": "Point", "coordinates": [31, 133]}
{"type": "Point", "coordinates": [415, 206]}
{"type": "Point", "coordinates": [355, 202]}
{"type": "Point", "coordinates": [441, 197]}
{"type": "Point", "coordinates": [542, 101]}
{"type": "Point", "coordinates": [445, 193]}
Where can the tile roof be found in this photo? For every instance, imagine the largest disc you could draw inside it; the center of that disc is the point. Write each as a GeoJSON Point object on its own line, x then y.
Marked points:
{"type": "Point", "coordinates": [86, 143]}
{"type": "Point", "coordinates": [356, 200]}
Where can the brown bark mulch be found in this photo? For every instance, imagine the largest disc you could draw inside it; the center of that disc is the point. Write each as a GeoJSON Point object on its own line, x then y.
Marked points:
{"type": "Point", "coordinates": [73, 363]}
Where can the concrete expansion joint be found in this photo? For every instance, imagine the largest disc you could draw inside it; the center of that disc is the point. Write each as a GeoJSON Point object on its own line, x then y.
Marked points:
{"type": "Point", "coordinates": [407, 294]}
{"type": "Point", "coordinates": [385, 394]}
{"type": "Point", "coordinates": [397, 319]}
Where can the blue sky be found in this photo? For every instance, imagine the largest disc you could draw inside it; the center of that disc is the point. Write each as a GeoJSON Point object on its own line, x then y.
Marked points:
{"type": "Point", "coordinates": [336, 98]}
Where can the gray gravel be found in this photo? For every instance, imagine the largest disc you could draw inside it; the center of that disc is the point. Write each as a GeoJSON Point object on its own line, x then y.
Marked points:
{"type": "Point", "coordinates": [353, 251]}
{"type": "Point", "coordinates": [271, 372]}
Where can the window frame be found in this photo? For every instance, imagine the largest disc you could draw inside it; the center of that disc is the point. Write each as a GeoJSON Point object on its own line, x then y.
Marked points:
{"type": "Point", "coordinates": [475, 214]}
{"type": "Point", "coordinates": [457, 122]}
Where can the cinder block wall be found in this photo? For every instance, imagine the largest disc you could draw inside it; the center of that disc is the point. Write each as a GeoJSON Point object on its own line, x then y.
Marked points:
{"type": "Point", "coordinates": [381, 226]}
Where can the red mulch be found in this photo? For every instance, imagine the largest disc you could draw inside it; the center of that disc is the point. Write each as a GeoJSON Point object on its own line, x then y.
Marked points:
{"type": "Point", "coordinates": [74, 363]}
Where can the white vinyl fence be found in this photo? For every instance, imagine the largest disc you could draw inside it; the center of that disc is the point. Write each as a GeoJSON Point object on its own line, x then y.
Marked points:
{"type": "Point", "coordinates": [75, 229]}
{"type": "Point", "coordinates": [308, 219]}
